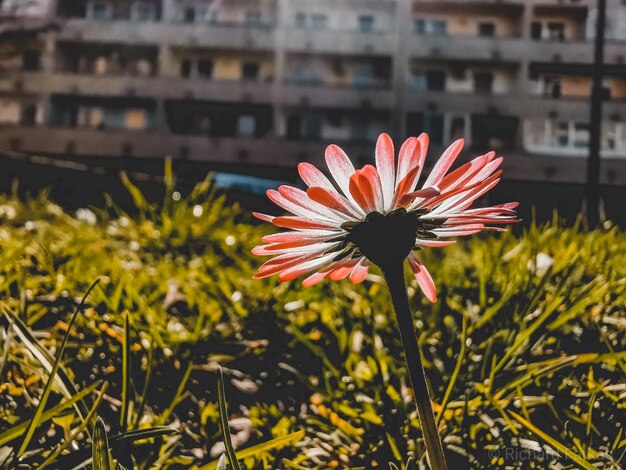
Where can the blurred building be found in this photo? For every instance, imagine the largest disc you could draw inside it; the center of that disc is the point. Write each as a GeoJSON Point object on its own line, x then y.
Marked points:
{"type": "Point", "coordinates": [270, 82]}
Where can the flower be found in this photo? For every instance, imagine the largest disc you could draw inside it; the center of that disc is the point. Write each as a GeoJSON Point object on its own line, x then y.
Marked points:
{"type": "Point", "coordinates": [376, 215]}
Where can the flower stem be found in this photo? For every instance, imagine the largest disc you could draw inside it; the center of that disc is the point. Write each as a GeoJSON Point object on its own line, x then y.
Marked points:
{"type": "Point", "coordinates": [394, 275]}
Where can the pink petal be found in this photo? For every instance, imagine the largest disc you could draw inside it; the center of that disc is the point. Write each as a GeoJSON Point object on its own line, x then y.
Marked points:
{"type": "Point", "coordinates": [340, 167]}
{"type": "Point", "coordinates": [295, 207]}
{"type": "Point", "coordinates": [444, 163]}
{"type": "Point", "coordinates": [434, 243]}
{"type": "Point", "coordinates": [334, 200]}
{"type": "Point", "coordinates": [300, 235]}
{"type": "Point", "coordinates": [385, 165]}
{"type": "Point", "coordinates": [405, 185]}
{"type": "Point", "coordinates": [412, 154]}
{"type": "Point", "coordinates": [275, 266]}
{"type": "Point", "coordinates": [307, 266]}
{"type": "Point", "coordinates": [302, 223]}
{"type": "Point", "coordinates": [370, 172]}
{"type": "Point", "coordinates": [299, 197]}
{"type": "Point", "coordinates": [423, 277]}
{"type": "Point", "coordinates": [343, 271]}
{"type": "Point", "coordinates": [314, 177]}
{"type": "Point", "coordinates": [362, 192]}
{"type": "Point", "coordinates": [359, 272]}
{"type": "Point", "coordinates": [263, 217]}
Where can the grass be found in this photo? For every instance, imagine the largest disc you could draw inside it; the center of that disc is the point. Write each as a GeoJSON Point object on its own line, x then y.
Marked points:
{"type": "Point", "coordinates": [526, 359]}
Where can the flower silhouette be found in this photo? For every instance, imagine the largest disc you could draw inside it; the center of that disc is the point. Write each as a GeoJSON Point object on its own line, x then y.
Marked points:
{"type": "Point", "coordinates": [376, 215]}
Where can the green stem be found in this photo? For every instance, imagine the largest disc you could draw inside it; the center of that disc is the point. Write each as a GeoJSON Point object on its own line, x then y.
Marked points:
{"type": "Point", "coordinates": [394, 274]}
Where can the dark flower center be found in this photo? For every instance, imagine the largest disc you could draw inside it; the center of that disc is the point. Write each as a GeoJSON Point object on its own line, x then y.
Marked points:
{"type": "Point", "coordinates": [387, 239]}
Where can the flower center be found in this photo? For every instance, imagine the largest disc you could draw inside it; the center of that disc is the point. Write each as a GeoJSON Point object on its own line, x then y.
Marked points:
{"type": "Point", "coordinates": [387, 239]}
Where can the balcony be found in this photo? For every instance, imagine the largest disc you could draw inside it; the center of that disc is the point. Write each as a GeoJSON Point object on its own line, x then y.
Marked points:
{"type": "Point", "coordinates": [162, 88]}
{"type": "Point", "coordinates": [320, 96]}
{"type": "Point", "coordinates": [500, 49]}
{"type": "Point", "coordinates": [231, 36]}
{"type": "Point", "coordinates": [340, 42]}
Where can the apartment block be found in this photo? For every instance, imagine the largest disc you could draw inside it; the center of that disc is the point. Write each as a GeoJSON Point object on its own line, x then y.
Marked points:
{"type": "Point", "coordinates": [271, 82]}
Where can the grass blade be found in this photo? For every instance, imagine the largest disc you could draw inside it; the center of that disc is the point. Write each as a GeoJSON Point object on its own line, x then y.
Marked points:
{"type": "Point", "coordinates": [35, 421]}
{"type": "Point", "coordinates": [276, 443]}
{"type": "Point", "coordinates": [18, 430]}
{"type": "Point", "coordinates": [553, 442]}
{"type": "Point", "coordinates": [80, 428]}
{"type": "Point", "coordinates": [125, 373]}
{"type": "Point", "coordinates": [221, 399]}
{"type": "Point", "coordinates": [101, 457]}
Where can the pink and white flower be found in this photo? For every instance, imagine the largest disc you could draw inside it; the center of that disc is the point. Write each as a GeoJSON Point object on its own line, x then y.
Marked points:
{"type": "Point", "coordinates": [376, 214]}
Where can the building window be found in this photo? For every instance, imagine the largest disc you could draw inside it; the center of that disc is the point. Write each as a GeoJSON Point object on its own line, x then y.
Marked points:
{"type": "Point", "coordinates": [436, 80]}
{"type": "Point", "coordinates": [366, 23]}
{"type": "Point", "coordinates": [535, 30]}
{"type": "Point", "coordinates": [319, 21]}
{"type": "Point", "coordinates": [205, 68]}
{"type": "Point", "coordinates": [425, 122]}
{"type": "Point", "coordinates": [246, 125]}
{"type": "Point", "coordinates": [486, 29]}
{"type": "Point", "coordinates": [363, 78]}
{"type": "Point", "coordinates": [552, 87]}
{"type": "Point", "coordinates": [190, 15]}
{"type": "Point", "coordinates": [143, 11]}
{"type": "Point", "coordinates": [250, 71]}
{"type": "Point", "coordinates": [101, 65]}
{"type": "Point", "coordinates": [294, 127]}
{"type": "Point", "coordinates": [28, 115]}
{"type": "Point", "coordinates": [253, 18]}
{"type": "Point", "coordinates": [431, 27]}
{"type": "Point", "coordinates": [30, 61]}
{"type": "Point", "coordinates": [185, 68]}
{"type": "Point", "coordinates": [483, 82]}
{"type": "Point", "coordinates": [581, 135]}
{"type": "Point", "coordinates": [136, 119]}
{"type": "Point", "coordinates": [300, 20]}
{"type": "Point", "coordinates": [99, 10]}
{"type": "Point", "coordinates": [556, 31]}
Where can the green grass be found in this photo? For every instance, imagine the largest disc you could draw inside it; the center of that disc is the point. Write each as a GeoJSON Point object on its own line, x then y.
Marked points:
{"type": "Point", "coordinates": [523, 359]}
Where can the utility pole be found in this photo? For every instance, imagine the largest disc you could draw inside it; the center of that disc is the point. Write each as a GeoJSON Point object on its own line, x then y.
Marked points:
{"type": "Point", "coordinates": [595, 121]}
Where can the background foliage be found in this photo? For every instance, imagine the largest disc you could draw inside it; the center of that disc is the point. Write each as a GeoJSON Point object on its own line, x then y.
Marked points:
{"type": "Point", "coordinates": [525, 350]}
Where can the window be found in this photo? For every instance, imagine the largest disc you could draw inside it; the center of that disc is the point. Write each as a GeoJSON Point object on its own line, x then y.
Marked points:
{"type": "Point", "coordinates": [136, 119]}
{"type": "Point", "coordinates": [300, 20]}
{"type": "Point", "coordinates": [439, 28]}
{"type": "Point", "coordinates": [99, 10]}
{"type": "Point", "coordinates": [250, 71]}
{"type": "Point", "coordinates": [205, 68]}
{"type": "Point", "coordinates": [535, 30]}
{"type": "Point", "coordinates": [436, 80]}
{"type": "Point", "coordinates": [425, 122]}
{"type": "Point", "coordinates": [294, 127]}
{"type": "Point", "coordinates": [418, 77]}
{"type": "Point", "coordinates": [366, 23]}
{"type": "Point", "coordinates": [143, 11]}
{"type": "Point", "coordinates": [30, 61]}
{"type": "Point", "coordinates": [581, 135]}
{"type": "Point", "coordinates": [253, 18]}
{"type": "Point", "coordinates": [246, 125]}
{"type": "Point", "coordinates": [185, 68]}
{"type": "Point", "coordinates": [420, 26]}
{"type": "Point", "coordinates": [319, 21]}
{"type": "Point", "coordinates": [198, 123]}
{"type": "Point", "coordinates": [556, 31]}
{"type": "Point", "coordinates": [552, 87]}
{"type": "Point", "coordinates": [431, 27]}
{"type": "Point", "coordinates": [28, 115]}
{"type": "Point", "coordinates": [483, 82]}
{"type": "Point", "coordinates": [486, 29]}
{"type": "Point", "coordinates": [190, 15]}
{"type": "Point", "coordinates": [363, 78]}
{"type": "Point", "coordinates": [101, 65]}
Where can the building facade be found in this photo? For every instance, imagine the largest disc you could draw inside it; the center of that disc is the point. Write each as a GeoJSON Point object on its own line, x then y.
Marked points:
{"type": "Point", "coordinates": [271, 82]}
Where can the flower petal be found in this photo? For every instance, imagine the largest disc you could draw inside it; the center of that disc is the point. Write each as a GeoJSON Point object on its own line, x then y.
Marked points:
{"type": "Point", "coordinates": [312, 176]}
{"type": "Point", "coordinates": [412, 154]}
{"type": "Point", "coordinates": [301, 198]}
{"type": "Point", "coordinates": [362, 192]}
{"type": "Point", "coordinates": [385, 166]}
{"type": "Point", "coordinates": [370, 172]}
{"type": "Point", "coordinates": [302, 223]}
{"type": "Point", "coordinates": [340, 167]}
{"type": "Point", "coordinates": [307, 266]}
{"type": "Point", "coordinates": [444, 163]}
{"type": "Point", "coordinates": [359, 272]}
{"type": "Point", "coordinates": [423, 277]}
{"type": "Point", "coordinates": [336, 201]}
